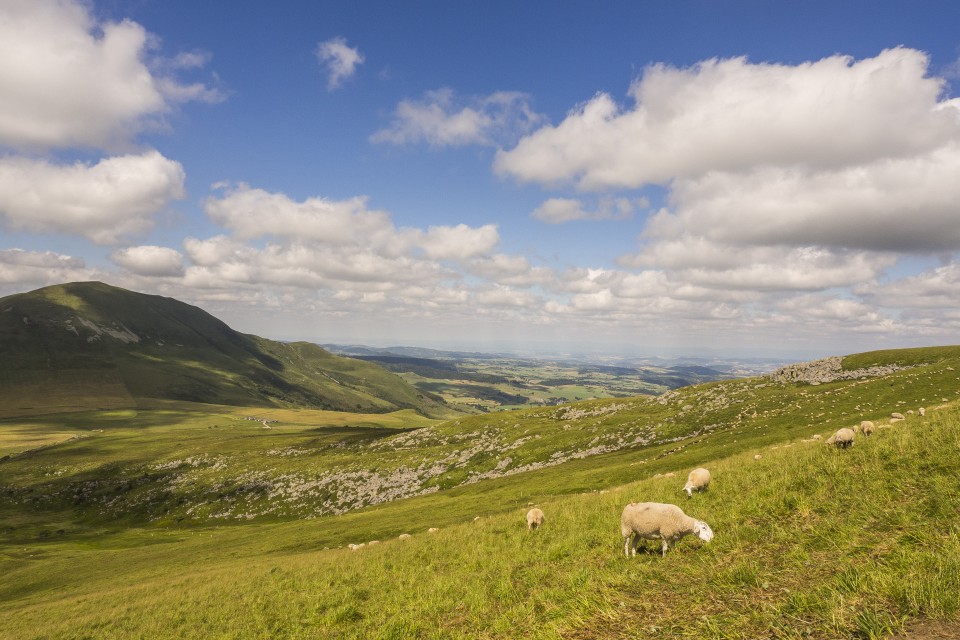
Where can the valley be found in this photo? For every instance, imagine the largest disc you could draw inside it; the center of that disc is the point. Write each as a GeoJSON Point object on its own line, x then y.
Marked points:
{"type": "Point", "coordinates": [483, 382]}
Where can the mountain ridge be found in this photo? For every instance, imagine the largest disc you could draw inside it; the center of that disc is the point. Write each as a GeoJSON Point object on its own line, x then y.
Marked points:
{"type": "Point", "coordinates": [116, 347]}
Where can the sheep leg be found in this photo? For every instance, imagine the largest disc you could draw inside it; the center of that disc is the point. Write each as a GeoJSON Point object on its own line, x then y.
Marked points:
{"type": "Point", "coordinates": [626, 545]}
{"type": "Point", "coordinates": [666, 545]}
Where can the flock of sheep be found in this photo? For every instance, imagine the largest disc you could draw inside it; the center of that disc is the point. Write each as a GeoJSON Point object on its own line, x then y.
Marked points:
{"type": "Point", "coordinates": [668, 523]}
{"type": "Point", "coordinates": [653, 520]}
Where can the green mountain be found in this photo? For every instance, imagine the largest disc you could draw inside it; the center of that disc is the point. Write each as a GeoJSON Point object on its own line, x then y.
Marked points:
{"type": "Point", "coordinates": [88, 345]}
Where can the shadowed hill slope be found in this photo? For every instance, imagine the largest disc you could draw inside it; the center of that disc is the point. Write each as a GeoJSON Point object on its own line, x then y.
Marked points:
{"type": "Point", "coordinates": [89, 345]}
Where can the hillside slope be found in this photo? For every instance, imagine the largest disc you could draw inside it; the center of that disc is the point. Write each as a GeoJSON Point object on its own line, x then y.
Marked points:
{"type": "Point", "coordinates": [811, 541]}
{"type": "Point", "coordinates": [230, 471]}
{"type": "Point", "coordinates": [89, 345]}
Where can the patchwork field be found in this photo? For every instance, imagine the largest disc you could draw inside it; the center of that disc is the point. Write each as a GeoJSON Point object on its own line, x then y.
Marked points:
{"type": "Point", "coordinates": [487, 382]}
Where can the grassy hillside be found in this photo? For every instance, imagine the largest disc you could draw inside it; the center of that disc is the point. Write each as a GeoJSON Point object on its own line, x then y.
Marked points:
{"type": "Point", "coordinates": [810, 541]}
{"type": "Point", "coordinates": [88, 345]}
{"type": "Point", "coordinates": [175, 463]}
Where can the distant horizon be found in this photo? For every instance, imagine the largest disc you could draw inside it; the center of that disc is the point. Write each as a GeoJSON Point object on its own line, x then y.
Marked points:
{"type": "Point", "coordinates": [663, 178]}
{"type": "Point", "coordinates": [555, 349]}
{"type": "Point", "coordinates": [559, 350]}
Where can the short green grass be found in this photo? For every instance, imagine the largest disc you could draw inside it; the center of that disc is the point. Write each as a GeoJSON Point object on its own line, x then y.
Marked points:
{"type": "Point", "coordinates": [811, 541]}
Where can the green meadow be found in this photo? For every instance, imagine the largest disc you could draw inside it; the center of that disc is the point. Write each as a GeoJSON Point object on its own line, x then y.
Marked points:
{"type": "Point", "coordinates": [182, 520]}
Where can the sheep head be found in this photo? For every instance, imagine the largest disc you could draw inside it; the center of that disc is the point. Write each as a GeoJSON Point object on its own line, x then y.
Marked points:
{"type": "Point", "coordinates": [703, 530]}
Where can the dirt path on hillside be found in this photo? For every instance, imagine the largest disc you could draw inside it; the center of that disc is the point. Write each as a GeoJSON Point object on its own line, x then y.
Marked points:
{"type": "Point", "coordinates": [931, 630]}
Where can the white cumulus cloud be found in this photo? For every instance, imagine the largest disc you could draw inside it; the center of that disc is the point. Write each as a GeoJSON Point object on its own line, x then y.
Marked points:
{"type": "Point", "coordinates": [891, 204]}
{"type": "Point", "coordinates": [69, 81]}
{"type": "Point", "coordinates": [149, 260]}
{"type": "Point", "coordinates": [336, 245]}
{"type": "Point", "coordinates": [441, 119]}
{"type": "Point", "coordinates": [40, 268]}
{"type": "Point", "coordinates": [731, 115]}
{"type": "Point", "coordinates": [459, 242]}
{"type": "Point", "coordinates": [105, 202]}
{"type": "Point", "coordinates": [339, 59]}
{"type": "Point", "coordinates": [252, 213]}
{"type": "Point", "coordinates": [561, 210]}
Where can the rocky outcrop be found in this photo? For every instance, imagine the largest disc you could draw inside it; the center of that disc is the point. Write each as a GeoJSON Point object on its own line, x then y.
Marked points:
{"type": "Point", "coordinates": [828, 370]}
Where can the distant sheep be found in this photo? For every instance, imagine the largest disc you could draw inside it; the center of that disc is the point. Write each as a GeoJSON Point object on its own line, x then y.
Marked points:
{"type": "Point", "coordinates": [867, 427]}
{"type": "Point", "coordinates": [698, 480]}
{"type": "Point", "coordinates": [534, 519]}
{"type": "Point", "coordinates": [816, 436]}
{"type": "Point", "coordinates": [896, 416]}
{"type": "Point", "coordinates": [404, 536]}
{"type": "Point", "coordinates": [843, 438]}
{"type": "Point", "coordinates": [922, 411]}
{"type": "Point", "coordinates": [656, 521]}
{"type": "Point", "coordinates": [432, 530]}
{"type": "Point", "coordinates": [757, 456]}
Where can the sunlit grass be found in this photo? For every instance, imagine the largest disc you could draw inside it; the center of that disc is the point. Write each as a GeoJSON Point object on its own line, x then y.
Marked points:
{"type": "Point", "coordinates": [810, 541]}
{"type": "Point", "coordinates": [797, 554]}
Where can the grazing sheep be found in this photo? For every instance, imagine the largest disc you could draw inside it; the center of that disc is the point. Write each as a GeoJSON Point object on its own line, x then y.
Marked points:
{"type": "Point", "coordinates": [867, 427]}
{"type": "Point", "coordinates": [656, 521]}
{"type": "Point", "coordinates": [896, 416]}
{"type": "Point", "coordinates": [404, 536]}
{"type": "Point", "coordinates": [816, 436]}
{"type": "Point", "coordinates": [432, 530]}
{"type": "Point", "coordinates": [843, 438]}
{"type": "Point", "coordinates": [698, 480]}
{"type": "Point", "coordinates": [757, 456]}
{"type": "Point", "coordinates": [922, 411]}
{"type": "Point", "coordinates": [534, 519]}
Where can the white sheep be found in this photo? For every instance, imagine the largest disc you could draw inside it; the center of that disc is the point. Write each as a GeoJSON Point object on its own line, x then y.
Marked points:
{"type": "Point", "coordinates": [698, 480]}
{"type": "Point", "coordinates": [656, 521]}
{"type": "Point", "coordinates": [867, 427]}
{"type": "Point", "coordinates": [896, 415]}
{"type": "Point", "coordinates": [922, 411]}
{"type": "Point", "coordinates": [843, 438]}
{"type": "Point", "coordinates": [534, 518]}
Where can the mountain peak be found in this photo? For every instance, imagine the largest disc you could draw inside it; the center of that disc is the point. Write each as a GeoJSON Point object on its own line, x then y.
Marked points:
{"type": "Point", "coordinates": [148, 346]}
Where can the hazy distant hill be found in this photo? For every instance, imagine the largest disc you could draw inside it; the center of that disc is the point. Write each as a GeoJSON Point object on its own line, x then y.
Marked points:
{"type": "Point", "coordinates": [490, 381]}
{"type": "Point", "coordinates": [91, 345]}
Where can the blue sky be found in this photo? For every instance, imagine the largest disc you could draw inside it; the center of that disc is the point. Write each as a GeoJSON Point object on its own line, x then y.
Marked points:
{"type": "Point", "coordinates": [747, 177]}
